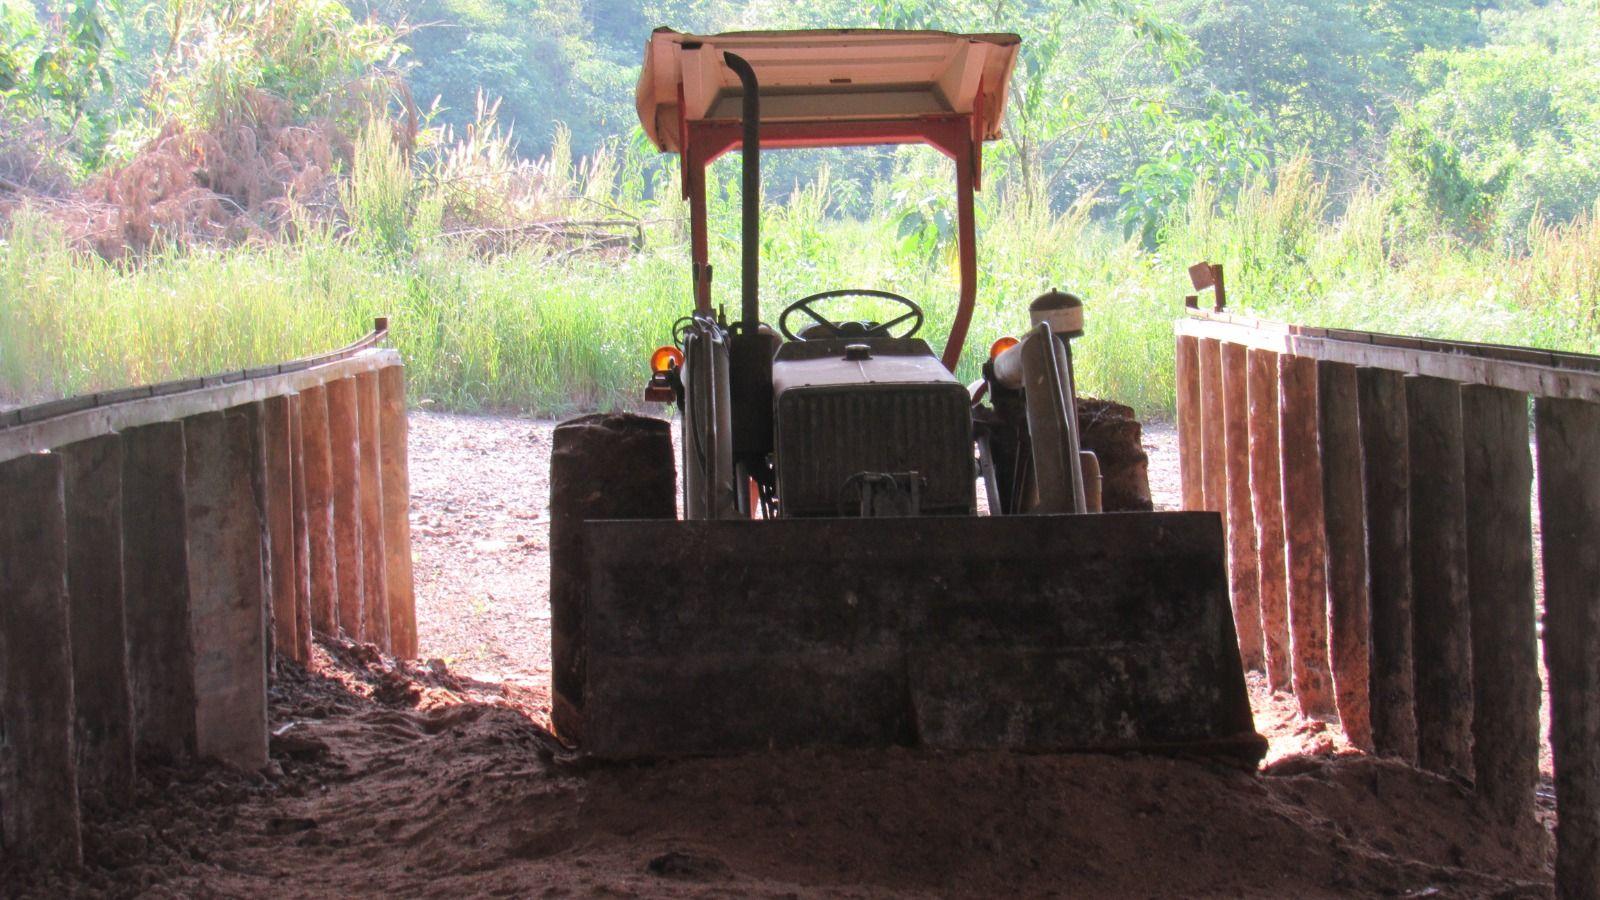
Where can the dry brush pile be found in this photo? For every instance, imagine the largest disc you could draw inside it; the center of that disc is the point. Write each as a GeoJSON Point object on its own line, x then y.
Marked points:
{"type": "Point", "coordinates": [260, 175]}
{"type": "Point", "coordinates": [240, 180]}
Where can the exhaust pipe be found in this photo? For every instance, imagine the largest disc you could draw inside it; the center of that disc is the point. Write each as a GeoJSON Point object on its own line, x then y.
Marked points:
{"type": "Point", "coordinates": [750, 194]}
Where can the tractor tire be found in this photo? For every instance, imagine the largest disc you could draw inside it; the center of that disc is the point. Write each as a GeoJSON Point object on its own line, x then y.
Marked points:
{"type": "Point", "coordinates": [1112, 431]}
{"type": "Point", "coordinates": [602, 466]}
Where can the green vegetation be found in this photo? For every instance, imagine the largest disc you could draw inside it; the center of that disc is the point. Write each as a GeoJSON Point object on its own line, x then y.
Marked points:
{"type": "Point", "coordinates": [535, 330]}
{"type": "Point", "coordinates": [1418, 166]}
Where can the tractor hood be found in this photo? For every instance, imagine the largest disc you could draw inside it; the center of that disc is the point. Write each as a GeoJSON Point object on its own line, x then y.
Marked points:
{"type": "Point", "coordinates": [829, 363]}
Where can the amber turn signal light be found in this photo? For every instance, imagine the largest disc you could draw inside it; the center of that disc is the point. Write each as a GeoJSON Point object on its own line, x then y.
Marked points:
{"type": "Point", "coordinates": [665, 359]}
{"type": "Point", "coordinates": [1001, 346]}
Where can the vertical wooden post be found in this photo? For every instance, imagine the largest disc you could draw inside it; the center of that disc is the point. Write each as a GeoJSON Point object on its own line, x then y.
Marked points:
{"type": "Point", "coordinates": [1213, 435]}
{"type": "Point", "coordinates": [1266, 506]}
{"type": "Point", "coordinates": [278, 499]}
{"type": "Point", "coordinates": [1505, 645]}
{"type": "Point", "coordinates": [1190, 464]}
{"type": "Point", "coordinates": [1244, 573]}
{"type": "Point", "coordinates": [1441, 629]}
{"type": "Point", "coordinates": [1568, 446]}
{"type": "Point", "coordinates": [255, 431]}
{"type": "Point", "coordinates": [227, 589]}
{"type": "Point", "coordinates": [92, 476]}
{"type": "Point", "coordinates": [323, 559]}
{"type": "Point", "coordinates": [344, 445]}
{"type": "Point", "coordinates": [1386, 480]}
{"type": "Point", "coordinates": [392, 427]}
{"type": "Point", "coordinates": [156, 590]}
{"type": "Point", "coordinates": [302, 537]}
{"type": "Point", "coordinates": [38, 771]}
{"type": "Point", "coordinates": [1305, 548]}
{"type": "Point", "coordinates": [1344, 519]}
{"type": "Point", "coordinates": [374, 571]}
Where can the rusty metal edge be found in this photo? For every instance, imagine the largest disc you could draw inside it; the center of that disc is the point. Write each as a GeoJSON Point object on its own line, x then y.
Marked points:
{"type": "Point", "coordinates": [1244, 751]}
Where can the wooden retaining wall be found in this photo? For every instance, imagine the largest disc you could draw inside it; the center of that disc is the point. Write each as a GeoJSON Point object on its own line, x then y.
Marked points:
{"type": "Point", "coordinates": [1401, 472]}
{"type": "Point", "coordinates": [163, 547]}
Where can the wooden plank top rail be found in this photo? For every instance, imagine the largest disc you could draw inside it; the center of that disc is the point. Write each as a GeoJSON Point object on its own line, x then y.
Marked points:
{"type": "Point", "coordinates": [35, 428]}
{"type": "Point", "coordinates": [1542, 373]}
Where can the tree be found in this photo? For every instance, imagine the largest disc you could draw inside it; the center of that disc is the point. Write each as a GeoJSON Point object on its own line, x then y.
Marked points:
{"type": "Point", "coordinates": [57, 71]}
{"type": "Point", "coordinates": [1509, 133]}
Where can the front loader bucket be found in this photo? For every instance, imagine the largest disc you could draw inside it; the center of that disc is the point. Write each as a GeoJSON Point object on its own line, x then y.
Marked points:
{"type": "Point", "coordinates": [1034, 633]}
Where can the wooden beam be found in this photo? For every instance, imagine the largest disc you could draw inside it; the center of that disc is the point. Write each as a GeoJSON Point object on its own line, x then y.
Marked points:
{"type": "Point", "coordinates": [1190, 465]}
{"type": "Point", "coordinates": [392, 428]}
{"type": "Point", "coordinates": [374, 565]}
{"type": "Point", "coordinates": [1344, 522]}
{"type": "Point", "coordinates": [323, 559]}
{"type": "Point", "coordinates": [1441, 631]}
{"type": "Point", "coordinates": [1305, 547]}
{"type": "Point", "coordinates": [1213, 434]}
{"type": "Point", "coordinates": [1266, 507]}
{"type": "Point", "coordinates": [278, 500]}
{"type": "Point", "coordinates": [302, 536]}
{"type": "Point", "coordinates": [92, 474]}
{"type": "Point", "coordinates": [1505, 643]}
{"type": "Point", "coordinates": [227, 589]}
{"type": "Point", "coordinates": [255, 430]}
{"type": "Point", "coordinates": [38, 764]}
{"type": "Point", "coordinates": [344, 445]}
{"type": "Point", "coordinates": [1568, 445]}
{"type": "Point", "coordinates": [1244, 571]}
{"type": "Point", "coordinates": [156, 587]}
{"type": "Point", "coordinates": [1386, 480]}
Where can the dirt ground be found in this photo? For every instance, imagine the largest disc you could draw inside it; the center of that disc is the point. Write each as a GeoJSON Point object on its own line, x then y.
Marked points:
{"type": "Point", "coordinates": [437, 778]}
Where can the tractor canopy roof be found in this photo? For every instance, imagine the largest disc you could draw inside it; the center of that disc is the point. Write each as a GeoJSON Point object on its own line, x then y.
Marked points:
{"type": "Point", "coordinates": [827, 87]}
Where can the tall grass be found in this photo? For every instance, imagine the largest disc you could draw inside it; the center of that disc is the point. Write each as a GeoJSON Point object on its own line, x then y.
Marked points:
{"type": "Point", "coordinates": [549, 333]}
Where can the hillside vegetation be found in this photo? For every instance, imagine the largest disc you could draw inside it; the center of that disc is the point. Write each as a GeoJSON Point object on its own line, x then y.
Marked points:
{"type": "Point", "coordinates": [193, 186]}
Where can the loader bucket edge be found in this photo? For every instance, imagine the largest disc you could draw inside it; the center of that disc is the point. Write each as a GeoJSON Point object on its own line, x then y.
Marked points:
{"type": "Point", "coordinates": [1032, 633]}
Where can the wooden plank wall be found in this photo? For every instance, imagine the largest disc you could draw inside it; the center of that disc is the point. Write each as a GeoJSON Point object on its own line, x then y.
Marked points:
{"type": "Point", "coordinates": [153, 578]}
{"type": "Point", "coordinates": [1392, 493]}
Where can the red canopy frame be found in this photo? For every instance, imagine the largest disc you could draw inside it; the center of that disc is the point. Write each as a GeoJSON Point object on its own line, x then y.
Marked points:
{"type": "Point", "coordinates": [832, 88]}
{"type": "Point", "coordinates": [951, 135]}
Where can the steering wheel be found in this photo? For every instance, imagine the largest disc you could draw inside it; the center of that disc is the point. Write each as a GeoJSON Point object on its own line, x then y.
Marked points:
{"type": "Point", "coordinates": [865, 330]}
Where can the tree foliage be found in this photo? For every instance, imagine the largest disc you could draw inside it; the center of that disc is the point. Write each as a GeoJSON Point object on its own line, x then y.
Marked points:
{"type": "Point", "coordinates": [1476, 117]}
{"type": "Point", "coordinates": [56, 70]}
{"type": "Point", "coordinates": [1506, 134]}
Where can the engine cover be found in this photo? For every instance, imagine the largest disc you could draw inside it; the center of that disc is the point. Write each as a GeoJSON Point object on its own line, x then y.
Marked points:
{"type": "Point", "coordinates": [891, 409]}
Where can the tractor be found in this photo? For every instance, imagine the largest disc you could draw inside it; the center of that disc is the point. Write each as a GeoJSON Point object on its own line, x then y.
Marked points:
{"type": "Point", "coordinates": [836, 578]}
